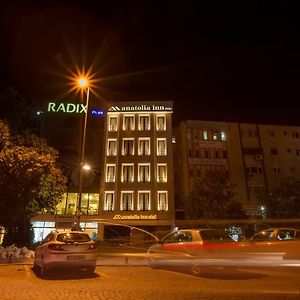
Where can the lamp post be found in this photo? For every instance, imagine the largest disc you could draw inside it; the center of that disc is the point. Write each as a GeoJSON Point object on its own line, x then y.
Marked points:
{"type": "Point", "coordinates": [83, 84]}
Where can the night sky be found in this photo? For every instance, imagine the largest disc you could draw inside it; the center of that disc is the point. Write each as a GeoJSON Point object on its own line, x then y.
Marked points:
{"type": "Point", "coordinates": [217, 60]}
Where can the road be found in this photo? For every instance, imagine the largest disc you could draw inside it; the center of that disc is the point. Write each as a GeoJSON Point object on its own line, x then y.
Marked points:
{"type": "Point", "coordinates": [141, 282]}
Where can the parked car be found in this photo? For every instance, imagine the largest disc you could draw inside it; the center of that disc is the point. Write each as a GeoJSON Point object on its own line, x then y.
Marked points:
{"type": "Point", "coordinates": [187, 245]}
{"type": "Point", "coordinates": [66, 249]}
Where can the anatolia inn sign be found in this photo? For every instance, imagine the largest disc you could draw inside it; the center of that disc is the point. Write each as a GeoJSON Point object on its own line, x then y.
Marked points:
{"type": "Point", "coordinates": [141, 107]}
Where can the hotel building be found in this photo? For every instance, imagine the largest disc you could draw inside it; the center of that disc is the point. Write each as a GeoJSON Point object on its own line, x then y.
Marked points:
{"type": "Point", "coordinates": [136, 173]}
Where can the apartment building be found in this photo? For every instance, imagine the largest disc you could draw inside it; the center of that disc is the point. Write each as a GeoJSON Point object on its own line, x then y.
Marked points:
{"type": "Point", "coordinates": [255, 157]}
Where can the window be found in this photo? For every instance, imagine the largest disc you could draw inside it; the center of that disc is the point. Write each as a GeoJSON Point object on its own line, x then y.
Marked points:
{"type": "Point", "coordinates": [144, 146]}
{"type": "Point", "coordinates": [298, 152]}
{"type": "Point", "coordinates": [267, 235]}
{"type": "Point", "coordinates": [144, 122]}
{"type": "Point", "coordinates": [128, 146]}
{"type": "Point", "coordinates": [109, 201]}
{"type": "Point", "coordinates": [178, 237]}
{"type": "Point", "coordinates": [113, 123]}
{"type": "Point", "coordinates": [295, 135]}
{"type": "Point", "coordinates": [126, 201]}
{"type": "Point", "coordinates": [223, 135]}
{"type": "Point", "coordinates": [205, 135]}
{"type": "Point", "coordinates": [143, 200]}
{"type": "Point", "coordinates": [161, 172]}
{"type": "Point", "coordinates": [162, 201]}
{"type": "Point", "coordinates": [127, 173]}
{"type": "Point", "coordinates": [112, 147]}
{"type": "Point", "coordinates": [271, 133]}
{"type": "Point", "coordinates": [110, 173]}
{"type": "Point", "coordinates": [215, 135]}
{"type": "Point", "coordinates": [161, 147]}
{"type": "Point", "coordinates": [276, 170]}
{"type": "Point", "coordinates": [225, 154]}
{"type": "Point", "coordinates": [128, 122]}
{"type": "Point", "coordinates": [161, 123]}
{"type": "Point", "coordinates": [144, 172]}
{"type": "Point", "coordinates": [206, 153]}
{"type": "Point", "coordinates": [274, 151]}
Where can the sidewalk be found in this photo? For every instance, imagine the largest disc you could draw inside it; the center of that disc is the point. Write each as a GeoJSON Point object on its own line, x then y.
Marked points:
{"type": "Point", "coordinates": [105, 259]}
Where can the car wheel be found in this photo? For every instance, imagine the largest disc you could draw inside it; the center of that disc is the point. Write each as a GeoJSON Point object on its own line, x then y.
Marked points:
{"type": "Point", "coordinates": [91, 269]}
{"type": "Point", "coordinates": [43, 268]}
{"type": "Point", "coordinates": [196, 269]}
{"type": "Point", "coordinates": [152, 261]}
{"type": "Point", "coordinates": [35, 266]}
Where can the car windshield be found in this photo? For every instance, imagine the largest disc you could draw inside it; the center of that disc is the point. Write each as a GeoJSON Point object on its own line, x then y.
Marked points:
{"type": "Point", "coordinates": [73, 237]}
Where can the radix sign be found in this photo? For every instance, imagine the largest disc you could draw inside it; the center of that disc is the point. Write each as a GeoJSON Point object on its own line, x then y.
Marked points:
{"type": "Point", "coordinates": [73, 108]}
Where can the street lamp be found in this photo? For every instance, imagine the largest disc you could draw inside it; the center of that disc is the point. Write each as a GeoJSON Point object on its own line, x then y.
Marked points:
{"type": "Point", "coordinates": [83, 84]}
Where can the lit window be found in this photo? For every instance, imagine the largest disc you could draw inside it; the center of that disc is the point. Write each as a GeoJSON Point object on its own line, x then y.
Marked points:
{"type": "Point", "coordinates": [113, 123]}
{"type": "Point", "coordinates": [143, 200]}
{"type": "Point", "coordinates": [144, 146]}
{"type": "Point", "coordinates": [110, 173]}
{"type": "Point", "coordinates": [112, 147]}
{"type": "Point", "coordinates": [128, 122]}
{"type": "Point", "coordinates": [144, 172]}
{"type": "Point", "coordinates": [161, 147]}
{"type": "Point", "coordinates": [161, 123]}
{"type": "Point", "coordinates": [173, 140]}
{"type": "Point", "coordinates": [127, 173]}
{"type": "Point", "coordinates": [161, 172]}
{"type": "Point", "coordinates": [162, 200]}
{"type": "Point", "coordinates": [128, 146]}
{"type": "Point", "coordinates": [205, 135]}
{"type": "Point", "coordinates": [144, 122]}
{"type": "Point", "coordinates": [109, 201]}
{"type": "Point", "coordinates": [215, 135]}
{"type": "Point", "coordinates": [223, 136]}
{"type": "Point", "coordinates": [126, 201]}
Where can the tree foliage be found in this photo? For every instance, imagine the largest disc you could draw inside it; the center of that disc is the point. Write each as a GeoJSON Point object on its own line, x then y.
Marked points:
{"type": "Point", "coordinates": [284, 201]}
{"type": "Point", "coordinates": [29, 179]}
{"type": "Point", "coordinates": [212, 197]}
{"type": "Point", "coordinates": [15, 109]}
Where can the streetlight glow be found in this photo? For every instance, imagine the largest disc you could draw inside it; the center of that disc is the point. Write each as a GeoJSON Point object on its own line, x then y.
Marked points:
{"type": "Point", "coordinates": [86, 167]}
{"type": "Point", "coordinates": [83, 82]}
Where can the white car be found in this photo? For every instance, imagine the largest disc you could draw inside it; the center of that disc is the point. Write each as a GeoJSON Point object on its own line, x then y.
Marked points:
{"type": "Point", "coordinates": [66, 249]}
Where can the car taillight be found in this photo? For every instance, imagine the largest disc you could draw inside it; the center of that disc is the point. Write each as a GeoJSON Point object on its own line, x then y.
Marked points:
{"type": "Point", "coordinates": [54, 247]}
{"type": "Point", "coordinates": [92, 246]}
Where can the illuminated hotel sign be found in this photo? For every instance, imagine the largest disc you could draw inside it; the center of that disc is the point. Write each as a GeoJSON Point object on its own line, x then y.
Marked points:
{"type": "Point", "coordinates": [142, 107]}
{"type": "Point", "coordinates": [73, 108]}
{"type": "Point", "coordinates": [135, 217]}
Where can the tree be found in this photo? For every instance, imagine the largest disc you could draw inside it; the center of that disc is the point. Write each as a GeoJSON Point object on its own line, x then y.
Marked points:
{"type": "Point", "coordinates": [284, 200]}
{"type": "Point", "coordinates": [211, 197]}
{"type": "Point", "coordinates": [15, 110]}
{"type": "Point", "coordinates": [30, 181]}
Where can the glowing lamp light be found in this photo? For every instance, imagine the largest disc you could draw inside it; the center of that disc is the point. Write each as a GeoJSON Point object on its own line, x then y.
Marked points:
{"type": "Point", "coordinates": [82, 82]}
{"type": "Point", "coordinates": [86, 167]}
